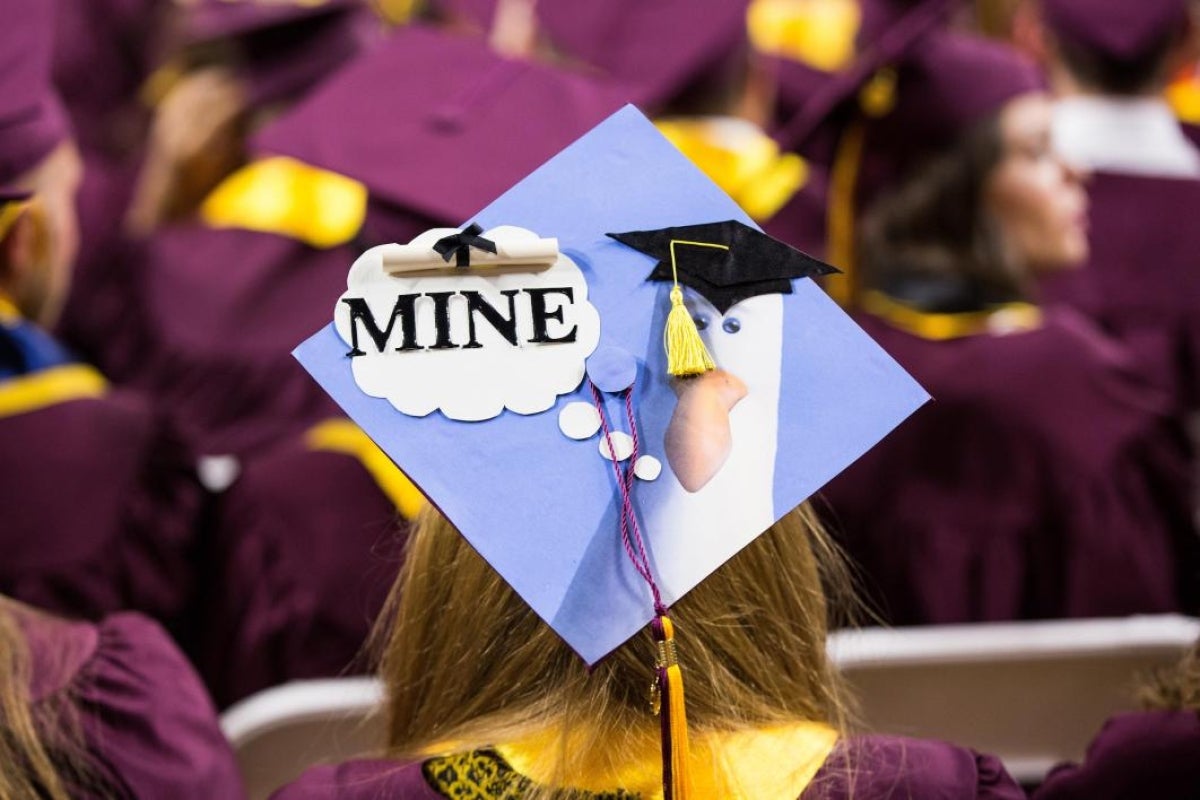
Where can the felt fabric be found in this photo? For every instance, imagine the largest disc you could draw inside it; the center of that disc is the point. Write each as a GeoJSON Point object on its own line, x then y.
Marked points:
{"type": "Point", "coordinates": [304, 549]}
{"type": "Point", "coordinates": [1122, 30]}
{"type": "Point", "coordinates": [147, 727]}
{"type": "Point", "coordinates": [1047, 480]}
{"type": "Point", "coordinates": [754, 263]}
{"type": "Point", "coordinates": [1141, 282]}
{"type": "Point", "coordinates": [1147, 754]}
{"type": "Point", "coordinates": [863, 768]}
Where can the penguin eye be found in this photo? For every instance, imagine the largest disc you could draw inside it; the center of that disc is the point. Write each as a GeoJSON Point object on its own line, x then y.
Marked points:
{"type": "Point", "coordinates": [731, 325]}
{"type": "Point", "coordinates": [701, 321]}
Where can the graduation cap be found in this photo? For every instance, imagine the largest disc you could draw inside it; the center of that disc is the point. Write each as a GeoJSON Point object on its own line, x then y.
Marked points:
{"type": "Point", "coordinates": [725, 262]}
{"type": "Point", "coordinates": [574, 444]}
{"type": "Point", "coordinates": [32, 120]}
{"type": "Point", "coordinates": [1123, 30]}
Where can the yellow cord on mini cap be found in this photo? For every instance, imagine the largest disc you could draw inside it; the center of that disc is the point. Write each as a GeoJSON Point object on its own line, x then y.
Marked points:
{"type": "Point", "coordinates": [686, 353]}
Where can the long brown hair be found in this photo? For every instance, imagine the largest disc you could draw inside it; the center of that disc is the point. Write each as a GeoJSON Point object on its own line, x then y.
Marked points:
{"type": "Point", "coordinates": [934, 223]}
{"type": "Point", "coordinates": [30, 764]}
{"type": "Point", "coordinates": [465, 661]}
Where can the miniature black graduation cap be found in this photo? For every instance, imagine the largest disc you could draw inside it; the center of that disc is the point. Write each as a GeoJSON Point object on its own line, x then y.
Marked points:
{"type": "Point", "coordinates": [725, 262]}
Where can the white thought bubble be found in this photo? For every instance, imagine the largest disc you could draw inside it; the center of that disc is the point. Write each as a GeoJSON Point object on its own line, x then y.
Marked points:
{"type": "Point", "coordinates": [466, 364]}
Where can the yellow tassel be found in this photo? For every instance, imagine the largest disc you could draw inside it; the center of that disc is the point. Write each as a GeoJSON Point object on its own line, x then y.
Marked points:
{"type": "Point", "coordinates": [686, 353]}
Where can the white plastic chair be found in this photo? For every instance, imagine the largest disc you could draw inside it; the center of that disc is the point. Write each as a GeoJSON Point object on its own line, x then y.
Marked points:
{"type": "Point", "coordinates": [277, 733]}
{"type": "Point", "coordinates": [1033, 693]}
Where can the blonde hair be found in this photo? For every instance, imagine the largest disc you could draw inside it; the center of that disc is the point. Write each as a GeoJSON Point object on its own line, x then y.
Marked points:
{"type": "Point", "coordinates": [465, 661]}
{"type": "Point", "coordinates": [31, 747]}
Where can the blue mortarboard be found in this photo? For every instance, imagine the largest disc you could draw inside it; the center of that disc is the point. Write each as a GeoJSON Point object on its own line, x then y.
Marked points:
{"type": "Point", "coordinates": [500, 424]}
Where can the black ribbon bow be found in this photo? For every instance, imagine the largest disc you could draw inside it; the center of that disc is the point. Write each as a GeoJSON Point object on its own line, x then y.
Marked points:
{"type": "Point", "coordinates": [459, 245]}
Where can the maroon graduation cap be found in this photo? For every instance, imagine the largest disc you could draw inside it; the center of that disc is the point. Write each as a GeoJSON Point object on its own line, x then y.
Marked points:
{"type": "Point", "coordinates": [32, 120]}
{"type": "Point", "coordinates": [436, 125]}
{"type": "Point", "coordinates": [1119, 29]}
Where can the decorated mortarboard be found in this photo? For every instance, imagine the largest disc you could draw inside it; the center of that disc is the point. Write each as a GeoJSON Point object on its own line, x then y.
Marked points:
{"type": "Point", "coordinates": [32, 120]}
{"type": "Point", "coordinates": [1123, 30]}
{"type": "Point", "coordinates": [515, 369]}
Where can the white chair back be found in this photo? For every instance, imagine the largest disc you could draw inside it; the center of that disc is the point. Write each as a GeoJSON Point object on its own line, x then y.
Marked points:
{"type": "Point", "coordinates": [280, 732]}
{"type": "Point", "coordinates": [1033, 693]}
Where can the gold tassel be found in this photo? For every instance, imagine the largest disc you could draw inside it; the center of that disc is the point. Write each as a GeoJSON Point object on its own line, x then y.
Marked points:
{"type": "Point", "coordinates": [686, 353]}
{"type": "Point", "coordinates": [676, 753]}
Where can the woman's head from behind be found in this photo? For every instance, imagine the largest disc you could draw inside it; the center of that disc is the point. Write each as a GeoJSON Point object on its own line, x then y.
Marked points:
{"type": "Point", "coordinates": [468, 664]}
{"type": "Point", "coordinates": [975, 191]}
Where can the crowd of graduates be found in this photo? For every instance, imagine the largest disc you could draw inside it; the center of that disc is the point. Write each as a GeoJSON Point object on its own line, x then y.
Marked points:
{"type": "Point", "coordinates": [1007, 188]}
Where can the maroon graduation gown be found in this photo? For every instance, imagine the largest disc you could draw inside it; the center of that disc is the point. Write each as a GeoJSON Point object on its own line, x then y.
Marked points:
{"type": "Point", "coordinates": [1150, 754]}
{"type": "Point", "coordinates": [867, 768]}
{"type": "Point", "coordinates": [147, 728]}
{"type": "Point", "coordinates": [99, 502]}
{"type": "Point", "coordinates": [304, 551]}
{"type": "Point", "coordinates": [1142, 282]}
{"type": "Point", "coordinates": [1044, 480]}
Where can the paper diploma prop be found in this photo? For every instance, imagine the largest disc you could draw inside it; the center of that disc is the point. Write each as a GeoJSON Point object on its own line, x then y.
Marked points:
{"type": "Point", "coordinates": [530, 482]}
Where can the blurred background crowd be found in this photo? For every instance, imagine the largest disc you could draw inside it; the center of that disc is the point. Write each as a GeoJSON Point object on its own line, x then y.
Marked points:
{"type": "Point", "coordinates": [1010, 188]}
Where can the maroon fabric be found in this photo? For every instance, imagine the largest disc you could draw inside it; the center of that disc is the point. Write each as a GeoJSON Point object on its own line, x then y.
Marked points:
{"type": "Point", "coordinates": [656, 50]}
{"type": "Point", "coordinates": [1120, 29]}
{"type": "Point", "coordinates": [801, 221]}
{"type": "Point", "coordinates": [32, 121]}
{"type": "Point", "coordinates": [148, 728]}
{"type": "Point", "coordinates": [103, 52]}
{"type": "Point", "coordinates": [223, 310]}
{"type": "Point", "coordinates": [99, 505]}
{"type": "Point", "coordinates": [1151, 754]}
{"type": "Point", "coordinates": [1045, 480]}
{"type": "Point", "coordinates": [1143, 279]}
{"type": "Point", "coordinates": [208, 20]}
{"type": "Point", "coordinates": [304, 551]}
{"type": "Point", "coordinates": [867, 768]}
{"type": "Point", "coordinates": [438, 145]}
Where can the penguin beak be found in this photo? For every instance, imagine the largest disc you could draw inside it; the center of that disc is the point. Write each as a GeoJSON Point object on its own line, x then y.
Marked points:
{"type": "Point", "coordinates": [699, 440]}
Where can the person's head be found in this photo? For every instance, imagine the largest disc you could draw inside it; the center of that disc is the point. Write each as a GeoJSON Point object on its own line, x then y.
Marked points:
{"type": "Point", "coordinates": [995, 207]}
{"type": "Point", "coordinates": [1107, 47]}
{"type": "Point", "coordinates": [465, 661]}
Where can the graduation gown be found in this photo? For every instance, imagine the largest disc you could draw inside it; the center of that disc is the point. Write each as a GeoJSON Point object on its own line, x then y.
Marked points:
{"type": "Point", "coordinates": [308, 541]}
{"type": "Point", "coordinates": [104, 51]}
{"type": "Point", "coordinates": [865, 768]}
{"type": "Point", "coordinates": [147, 728]}
{"type": "Point", "coordinates": [99, 495]}
{"type": "Point", "coordinates": [1147, 754]}
{"type": "Point", "coordinates": [1142, 282]}
{"type": "Point", "coordinates": [1045, 479]}
{"type": "Point", "coordinates": [224, 308]}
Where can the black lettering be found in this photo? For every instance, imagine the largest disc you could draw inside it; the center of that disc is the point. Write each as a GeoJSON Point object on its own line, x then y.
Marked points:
{"type": "Point", "coordinates": [404, 309]}
{"type": "Point", "coordinates": [537, 305]}
{"type": "Point", "coordinates": [506, 327]}
{"type": "Point", "coordinates": [441, 319]}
